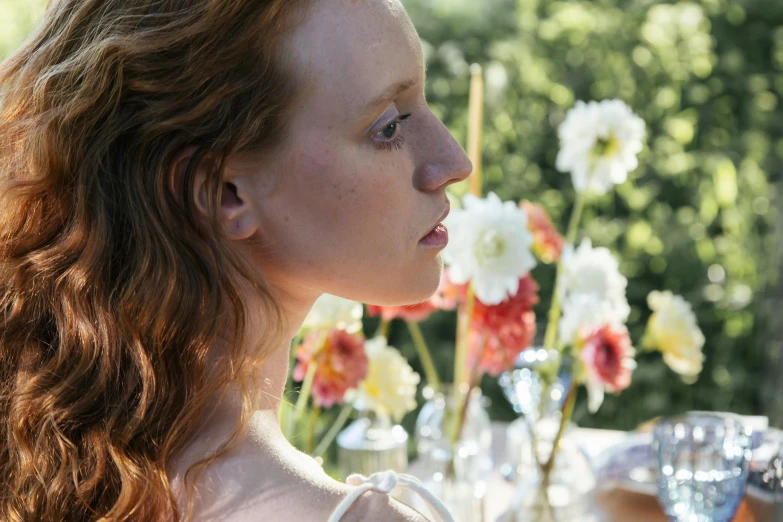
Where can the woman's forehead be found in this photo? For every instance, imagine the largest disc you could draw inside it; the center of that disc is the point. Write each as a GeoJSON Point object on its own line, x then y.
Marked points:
{"type": "Point", "coordinates": [350, 51]}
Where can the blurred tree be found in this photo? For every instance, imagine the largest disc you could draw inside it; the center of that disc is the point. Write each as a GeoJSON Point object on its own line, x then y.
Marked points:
{"type": "Point", "coordinates": [17, 18]}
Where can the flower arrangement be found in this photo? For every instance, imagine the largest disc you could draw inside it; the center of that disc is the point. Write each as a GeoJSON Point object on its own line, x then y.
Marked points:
{"type": "Point", "coordinates": [494, 246]}
{"type": "Point", "coordinates": [338, 366]}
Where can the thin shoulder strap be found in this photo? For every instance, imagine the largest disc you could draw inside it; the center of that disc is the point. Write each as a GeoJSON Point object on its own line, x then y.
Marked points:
{"type": "Point", "coordinates": [385, 482]}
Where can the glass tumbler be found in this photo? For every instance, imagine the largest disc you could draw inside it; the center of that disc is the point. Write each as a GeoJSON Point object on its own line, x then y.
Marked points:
{"type": "Point", "coordinates": [702, 468]}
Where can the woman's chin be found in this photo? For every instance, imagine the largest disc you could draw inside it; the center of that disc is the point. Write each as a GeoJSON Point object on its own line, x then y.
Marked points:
{"type": "Point", "coordinates": [414, 290]}
{"type": "Point", "coordinates": [428, 281]}
{"type": "Point", "coordinates": [383, 288]}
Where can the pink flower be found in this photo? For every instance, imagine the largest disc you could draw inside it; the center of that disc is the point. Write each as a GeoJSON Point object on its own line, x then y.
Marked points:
{"type": "Point", "coordinates": [341, 364]}
{"type": "Point", "coordinates": [499, 333]}
{"type": "Point", "coordinates": [607, 355]}
{"type": "Point", "coordinates": [547, 242]}
{"type": "Point", "coordinates": [445, 298]}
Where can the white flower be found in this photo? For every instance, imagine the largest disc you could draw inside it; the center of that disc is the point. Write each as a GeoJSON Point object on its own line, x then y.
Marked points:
{"type": "Point", "coordinates": [490, 247]}
{"type": "Point", "coordinates": [588, 270]}
{"type": "Point", "coordinates": [673, 331]}
{"type": "Point", "coordinates": [390, 386]}
{"type": "Point", "coordinates": [584, 310]}
{"type": "Point", "coordinates": [599, 142]}
{"type": "Point", "coordinates": [330, 311]}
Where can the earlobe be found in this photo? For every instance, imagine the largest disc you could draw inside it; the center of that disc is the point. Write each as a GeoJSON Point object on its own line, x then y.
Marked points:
{"type": "Point", "coordinates": [236, 211]}
{"type": "Point", "coordinates": [241, 227]}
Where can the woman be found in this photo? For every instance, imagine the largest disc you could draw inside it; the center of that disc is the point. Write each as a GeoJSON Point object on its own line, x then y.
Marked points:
{"type": "Point", "coordinates": [179, 181]}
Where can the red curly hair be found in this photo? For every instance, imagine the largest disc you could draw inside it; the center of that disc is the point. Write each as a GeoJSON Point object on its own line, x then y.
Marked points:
{"type": "Point", "coordinates": [112, 290]}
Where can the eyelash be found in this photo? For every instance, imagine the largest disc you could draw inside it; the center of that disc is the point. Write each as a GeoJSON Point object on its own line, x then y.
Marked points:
{"type": "Point", "coordinates": [399, 137]}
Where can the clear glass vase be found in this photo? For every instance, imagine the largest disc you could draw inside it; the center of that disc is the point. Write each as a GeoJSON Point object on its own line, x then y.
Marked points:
{"type": "Point", "coordinates": [564, 494]}
{"type": "Point", "coordinates": [455, 472]}
{"type": "Point", "coordinates": [371, 444]}
{"type": "Point", "coordinates": [537, 402]}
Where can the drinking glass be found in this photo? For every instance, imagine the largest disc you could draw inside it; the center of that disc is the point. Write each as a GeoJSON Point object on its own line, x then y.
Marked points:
{"type": "Point", "coordinates": [702, 468]}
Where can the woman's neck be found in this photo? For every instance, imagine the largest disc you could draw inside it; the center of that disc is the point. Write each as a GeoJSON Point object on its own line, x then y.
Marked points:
{"type": "Point", "coordinates": [266, 387]}
{"type": "Point", "coordinates": [268, 384]}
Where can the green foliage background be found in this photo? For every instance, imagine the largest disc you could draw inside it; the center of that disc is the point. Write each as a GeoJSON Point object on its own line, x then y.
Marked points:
{"type": "Point", "coordinates": [698, 217]}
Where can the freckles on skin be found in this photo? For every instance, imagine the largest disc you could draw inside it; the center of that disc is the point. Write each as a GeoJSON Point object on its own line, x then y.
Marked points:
{"type": "Point", "coordinates": [344, 193]}
{"type": "Point", "coordinates": [346, 210]}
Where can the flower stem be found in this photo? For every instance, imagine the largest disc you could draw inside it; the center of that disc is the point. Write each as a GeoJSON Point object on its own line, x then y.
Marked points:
{"type": "Point", "coordinates": [463, 409]}
{"type": "Point", "coordinates": [554, 310]}
{"type": "Point", "coordinates": [424, 355]}
{"type": "Point", "coordinates": [311, 433]}
{"type": "Point", "coordinates": [342, 418]}
{"type": "Point", "coordinates": [462, 412]}
{"type": "Point", "coordinates": [546, 468]}
{"type": "Point", "coordinates": [457, 405]}
{"type": "Point", "coordinates": [304, 393]}
{"type": "Point", "coordinates": [463, 330]}
{"type": "Point", "coordinates": [383, 329]}
{"type": "Point", "coordinates": [568, 410]}
{"type": "Point", "coordinates": [550, 342]}
{"type": "Point", "coordinates": [286, 418]}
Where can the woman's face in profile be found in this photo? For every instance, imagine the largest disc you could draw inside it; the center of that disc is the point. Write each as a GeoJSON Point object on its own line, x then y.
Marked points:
{"type": "Point", "coordinates": [342, 206]}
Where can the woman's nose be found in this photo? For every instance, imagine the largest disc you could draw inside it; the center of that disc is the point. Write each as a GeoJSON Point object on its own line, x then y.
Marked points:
{"type": "Point", "coordinates": [441, 160]}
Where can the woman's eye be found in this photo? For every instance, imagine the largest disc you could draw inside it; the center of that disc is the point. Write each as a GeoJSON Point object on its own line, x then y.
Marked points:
{"type": "Point", "coordinates": [391, 136]}
{"type": "Point", "coordinates": [390, 130]}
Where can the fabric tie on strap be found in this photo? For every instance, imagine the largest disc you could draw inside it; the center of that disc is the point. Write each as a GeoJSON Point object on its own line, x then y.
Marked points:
{"type": "Point", "coordinates": [384, 482]}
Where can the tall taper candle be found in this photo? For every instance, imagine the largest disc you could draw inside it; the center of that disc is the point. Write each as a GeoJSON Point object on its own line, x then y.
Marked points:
{"type": "Point", "coordinates": [475, 122]}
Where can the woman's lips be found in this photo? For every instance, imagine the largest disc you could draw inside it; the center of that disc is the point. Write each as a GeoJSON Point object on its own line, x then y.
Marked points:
{"type": "Point", "coordinates": [438, 238]}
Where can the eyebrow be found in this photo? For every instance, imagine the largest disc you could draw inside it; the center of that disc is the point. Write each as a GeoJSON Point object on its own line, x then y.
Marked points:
{"type": "Point", "coordinates": [387, 95]}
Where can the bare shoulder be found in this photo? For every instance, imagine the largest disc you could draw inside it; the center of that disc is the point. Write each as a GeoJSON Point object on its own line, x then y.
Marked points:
{"type": "Point", "coordinates": [316, 500]}
{"type": "Point", "coordinates": [377, 507]}
{"type": "Point", "coordinates": [242, 492]}
{"type": "Point", "coordinates": [313, 501]}
{"type": "Point", "coordinates": [265, 479]}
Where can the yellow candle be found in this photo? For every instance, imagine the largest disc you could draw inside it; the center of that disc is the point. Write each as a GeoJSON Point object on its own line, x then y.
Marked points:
{"type": "Point", "coordinates": [475, 122]}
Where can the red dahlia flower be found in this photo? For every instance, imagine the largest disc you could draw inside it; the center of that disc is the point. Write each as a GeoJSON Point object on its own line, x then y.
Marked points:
{"type": "Point", "coordinates": [499, 333]}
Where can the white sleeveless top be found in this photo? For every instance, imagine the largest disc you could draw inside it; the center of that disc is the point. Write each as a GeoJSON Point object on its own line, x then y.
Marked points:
{"type": "Point", "coordinates": [385, 482]}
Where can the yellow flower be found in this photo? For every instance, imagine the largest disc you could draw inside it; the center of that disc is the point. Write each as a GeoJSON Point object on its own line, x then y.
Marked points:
{"type": "Point", "coordinates": [673, 331]}
{"type": "Point", "coordinates": [390, 387]}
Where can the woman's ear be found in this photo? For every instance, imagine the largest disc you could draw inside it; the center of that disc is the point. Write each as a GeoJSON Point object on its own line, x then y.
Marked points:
{"type": "Point", "coordinates": [236, 211]}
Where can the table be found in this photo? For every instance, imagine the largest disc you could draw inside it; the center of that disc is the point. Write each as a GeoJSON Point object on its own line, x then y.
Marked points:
{"type": "Point", "coordinates": [610, 506]}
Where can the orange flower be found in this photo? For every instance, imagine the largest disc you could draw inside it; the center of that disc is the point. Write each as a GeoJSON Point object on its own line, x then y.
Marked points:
{"type": "Point", "coordinates": [499, 333]}
{"type": "Point", "coordinates": [548, 243]}
{"type": "Point", "coordinates": [341, 364]}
